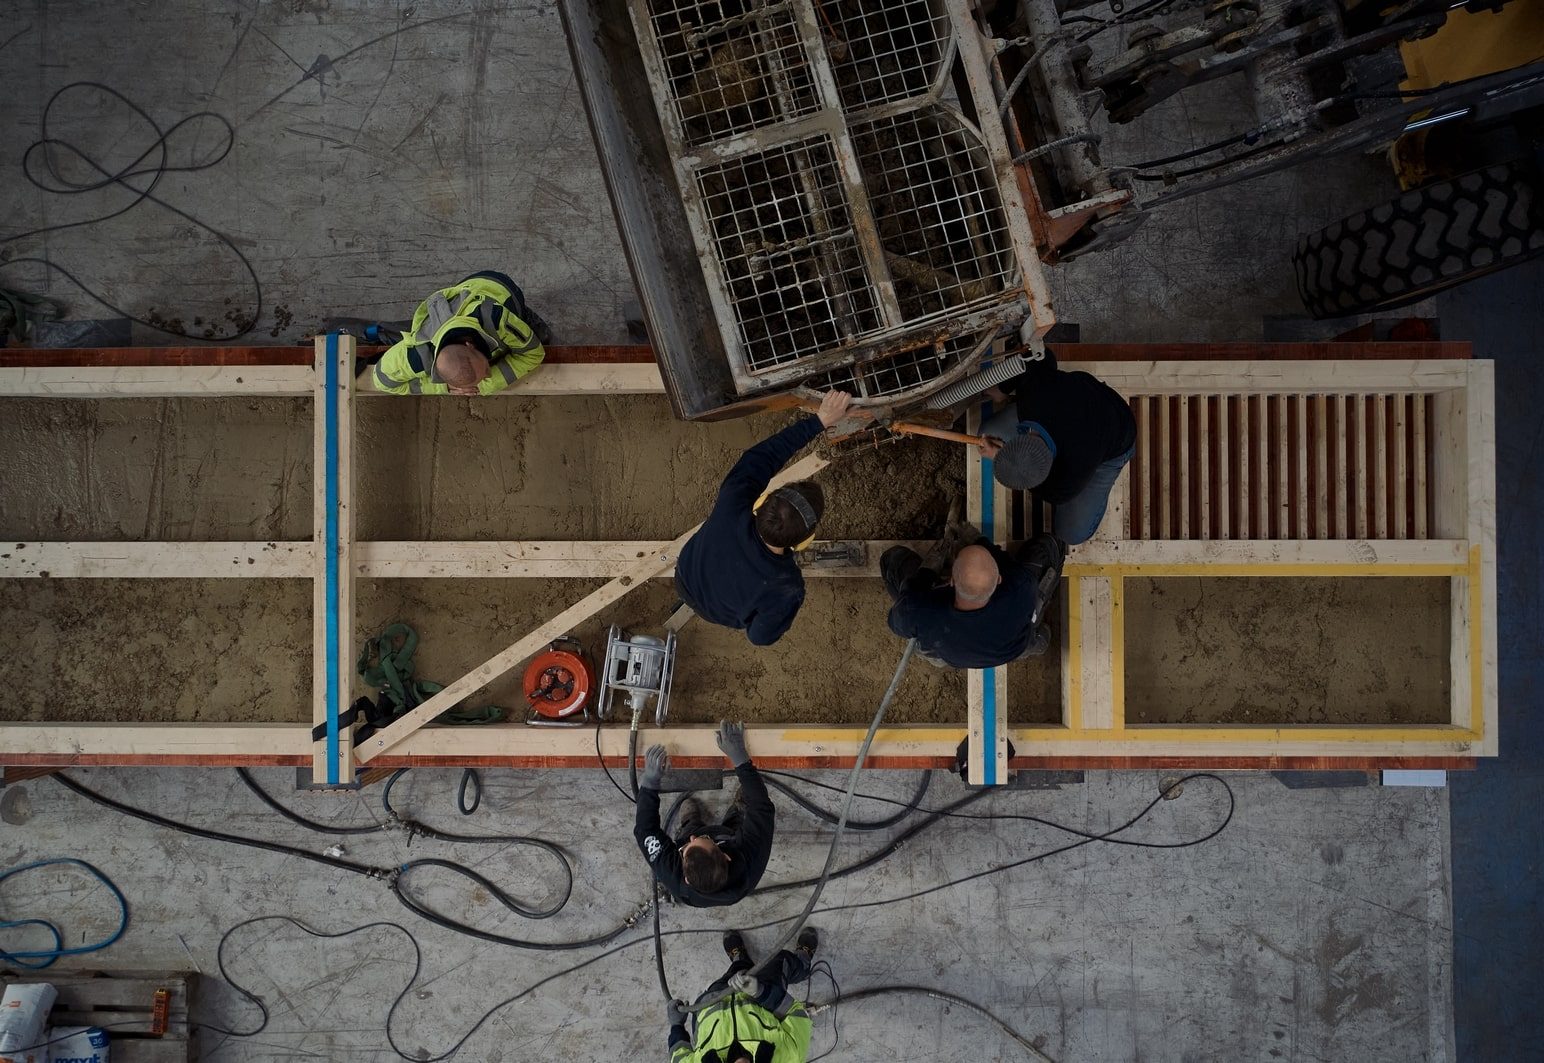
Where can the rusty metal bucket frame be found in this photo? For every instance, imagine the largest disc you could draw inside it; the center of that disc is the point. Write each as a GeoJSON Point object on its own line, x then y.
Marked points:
{"type": "Point", "coordinates": [866, 340]}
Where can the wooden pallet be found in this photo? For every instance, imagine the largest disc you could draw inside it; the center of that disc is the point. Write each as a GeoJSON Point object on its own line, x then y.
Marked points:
{"type": "Point", "coordinates": [125, 1006]}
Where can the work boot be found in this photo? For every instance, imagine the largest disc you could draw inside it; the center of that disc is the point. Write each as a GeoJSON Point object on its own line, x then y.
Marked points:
{"type": "Point", "coordinates": [539, 326]}
{"type": "Point", "coordinates": [809, 941]}
{"type": "Point", "coordinates": [735, 946]}
{"type": "Point", "coordinates": [694, 817]}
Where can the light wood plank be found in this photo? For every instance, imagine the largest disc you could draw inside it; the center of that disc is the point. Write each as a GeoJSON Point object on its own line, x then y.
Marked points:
{"type": "Point", "coordinates": [332, 604]}
{"type": "Point", "coordinates": [1380, 466]}
{"type": "Point", "coordinates": [77, 560]}
{"type": "Point", "coordinates": [1299, 409]}
{"type": "Point", "coordinates": [1087, 559]}
{"type": "Point", "coordinates": [1163, 472]}
{"type": "Point", "coordinates": [1207, 474]}
{"type": "Point", "coordinates": [1264, 464]}
{"type": "Point", "coordinates": [1182, 471]}
{"type": "Point", "coordinates": [1237, 377]}
{"type": "Point", "coordinates": [123, 382]}
{"type": "Point", "coordinates": [1399, 429]}
{"type": "Point", "coordinates": [1419, 487]}
{"type": "Point", "coordinates": [986, 691]}
{"type": "Point", "coordinates": [1281, 459]}
{"type": "Point", "coordinates": [1320, 442]}
{"type": "Point", "coordinates": [1226, 463]}
{"type": "Point", "coordinates": [586, 607]}
{"type": "Point", "coordinates": [1360, 473]}
{"type": "Point", "coordinates": [1342, 473]}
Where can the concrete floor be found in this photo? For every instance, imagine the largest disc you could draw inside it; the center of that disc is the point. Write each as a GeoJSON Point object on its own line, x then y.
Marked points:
{"type": "Point", "coordinates": [1316, 927]}
{"type": "Point", "coordinates": [381, 150]}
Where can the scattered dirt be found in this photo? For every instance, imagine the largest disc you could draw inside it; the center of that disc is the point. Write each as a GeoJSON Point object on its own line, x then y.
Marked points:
{"type": "Point", "coordinates": [1263, 651]}
{"type": "Point", "coordinates": [1224, 650]}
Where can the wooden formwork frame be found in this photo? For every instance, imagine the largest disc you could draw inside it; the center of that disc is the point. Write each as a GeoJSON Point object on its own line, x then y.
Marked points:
{"type": "Point", "coordinates": [1092, 732]}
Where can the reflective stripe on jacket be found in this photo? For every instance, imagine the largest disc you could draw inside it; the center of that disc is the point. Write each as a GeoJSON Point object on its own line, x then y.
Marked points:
{"type": "Point", "coordinates": [741, 1019]}
{"type": "Point", "coordinates": [477, 303]}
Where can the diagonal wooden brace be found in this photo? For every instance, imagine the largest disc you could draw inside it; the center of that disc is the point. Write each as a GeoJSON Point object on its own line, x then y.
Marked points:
{"type": "Point", "coordinates": [592, 603]}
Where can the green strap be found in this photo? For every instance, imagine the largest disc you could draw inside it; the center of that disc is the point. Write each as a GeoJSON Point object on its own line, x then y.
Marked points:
{"type": "Point", "coordinates": [388, 668]}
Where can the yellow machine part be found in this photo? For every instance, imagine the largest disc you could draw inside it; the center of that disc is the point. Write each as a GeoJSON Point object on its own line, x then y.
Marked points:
{"type": "Point", "coordinates": [1470, 44]}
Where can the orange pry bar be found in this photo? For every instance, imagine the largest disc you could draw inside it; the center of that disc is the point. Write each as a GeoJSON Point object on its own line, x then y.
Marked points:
{"type": "Point", "coordinates": [936, 433]}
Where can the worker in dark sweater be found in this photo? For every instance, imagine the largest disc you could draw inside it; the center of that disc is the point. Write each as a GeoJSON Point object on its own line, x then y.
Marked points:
{"type": "Point", "coordinates": [1066, 436]}
{"type": "Point", "coordinates": [738, 570]}
{"type": "Point", "coordinates": [988, 613]}
{"type": "Point", "coordinates": [708, 865]}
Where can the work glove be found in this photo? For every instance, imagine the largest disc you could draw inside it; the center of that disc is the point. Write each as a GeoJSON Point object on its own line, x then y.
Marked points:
{"type": "Point", "coordinates": [731, 742]}
{"type": "Point", "coordinates": [655, 761]}
{"type": "Point", "coordinates": [746, 983]}
{"type": "Point", "coordinates": [676, 1012]}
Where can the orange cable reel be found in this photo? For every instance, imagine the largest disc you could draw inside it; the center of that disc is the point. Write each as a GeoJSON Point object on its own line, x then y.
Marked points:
{"type": "Point", "coordinates": [559, 684]}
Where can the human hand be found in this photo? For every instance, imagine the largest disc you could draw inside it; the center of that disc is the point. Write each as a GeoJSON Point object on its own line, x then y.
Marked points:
{"type": "Point", "coordinates": [655, 761]}
{"type": "Point", "coordinates": [833, 407]}
{"type": "Point", "coordinates": [731, 741]}
{"type": "Point", "coordinates": [745, 982]}
{"type": "Point", "coordinates": [676, 1012]}
{"type": "Point", "coordinates": [990, 446]}
{"type": "Point", "coordinates": [457, 389]}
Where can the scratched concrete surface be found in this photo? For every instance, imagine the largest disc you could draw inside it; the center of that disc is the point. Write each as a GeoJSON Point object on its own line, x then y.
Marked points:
{"type": "Point", "coordinates": [380, 149]}
{"type": "Point", "coordinates": [1316, 927]}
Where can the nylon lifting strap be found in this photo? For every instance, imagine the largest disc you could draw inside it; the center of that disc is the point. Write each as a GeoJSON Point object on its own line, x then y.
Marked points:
{"type": "Point", "coordinates": [387, 668]}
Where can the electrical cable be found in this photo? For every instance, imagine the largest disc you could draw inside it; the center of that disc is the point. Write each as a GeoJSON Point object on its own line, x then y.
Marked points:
{"type": "Point", "coordinates": [827, 816]}
{"type": "Point", "coordinates": [469, 779]}
{"type": "Point", "coordinates": [601, 760]}
{"type": "Point", "coordinates": [1107, 836]}
{"type": "Point", "coordinates": [949, 998]}
{"type": "Point", "coordinates": [852, 786]}
{"type": "Point", "coordinates": [295, 817]}
{"type": "Point", "coordinates": [38, 959]}
{"type": "Point", "coordinates": [63, 186]}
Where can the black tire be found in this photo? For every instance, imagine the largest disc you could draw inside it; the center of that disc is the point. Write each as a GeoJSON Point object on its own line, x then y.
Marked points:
{"type": "Point", "coordinates": [1428, 239]}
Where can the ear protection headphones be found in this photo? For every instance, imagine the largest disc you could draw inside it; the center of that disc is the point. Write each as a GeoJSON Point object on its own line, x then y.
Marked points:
{"type": "Point", "coordinates": [800, 505]}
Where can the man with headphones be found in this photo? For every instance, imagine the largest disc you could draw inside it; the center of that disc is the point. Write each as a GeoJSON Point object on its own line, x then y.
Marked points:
{"type": "Point", "coordinates": [738, 570]}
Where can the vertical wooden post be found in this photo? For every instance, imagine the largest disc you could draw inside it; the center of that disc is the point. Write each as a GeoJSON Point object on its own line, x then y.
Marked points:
{"type": "Point", "coordinates": [332, 609]}
{"type": "Point", "coordinates": [986, 505]}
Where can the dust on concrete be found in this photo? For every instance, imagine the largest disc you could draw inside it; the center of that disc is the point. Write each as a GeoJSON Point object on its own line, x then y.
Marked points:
{"type": "Point", "coordinates": [1252, 650]}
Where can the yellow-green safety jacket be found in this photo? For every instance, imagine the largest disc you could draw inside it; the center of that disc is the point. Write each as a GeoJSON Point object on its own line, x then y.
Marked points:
{"type": "Point", "coordinates": [740, 1018]}
{"type": "Point", "coordinates": [477, 303]}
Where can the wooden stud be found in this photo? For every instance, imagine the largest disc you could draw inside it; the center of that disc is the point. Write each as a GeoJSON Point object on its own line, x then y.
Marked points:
{"type": "Point", "coordinates": [1359, 474]}
{"type": "Point", "coordinates": [1380, 466]}
{"type": "Point", "coordinates": [332, 606]}
{"type": "Point", "coordinates": [1319, 440]}
{"type": "Point", "coordinates": [1298, 406]}
{"type": "Point", "coordinates": [1420, 457]}
{"type": "Point", "coordinates": [1264, 461]}
{"type": "Point", "coordinates": [1163, 472]}
{"type": "Point", "coordinates": [1399, 480]}
{"type": "Point", "coordinates": [1226, 462]}
{"type": "Point", "coordinates": [1183, 479]}
{"type": "Point", "coordinates": [1206, 473]}
{"type": "Point", "coordinates": [986, 690]}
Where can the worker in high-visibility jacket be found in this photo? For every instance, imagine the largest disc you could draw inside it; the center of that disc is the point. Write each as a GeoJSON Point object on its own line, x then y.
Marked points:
{"type": "Point", "coordinates": [473, 338]}
{"type": "Point", "coordinates": [752, 1018]}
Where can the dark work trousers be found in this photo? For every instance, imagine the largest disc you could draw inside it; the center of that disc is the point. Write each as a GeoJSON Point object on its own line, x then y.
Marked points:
{"type": "Point", "coordinates": [786, 969]}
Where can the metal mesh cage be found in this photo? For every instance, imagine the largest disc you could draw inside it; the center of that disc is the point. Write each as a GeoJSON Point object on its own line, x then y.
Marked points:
{"type": "Point", "coordinates": [899, 372]}
{"type": "Point", "coordinates": [783, 238]}
{"type": "Point", "coordinates": [935, 203]}
{"type": "Point", "coordinates": [732, 65]}
{"type": "Point", "coordinates": [882, 51]}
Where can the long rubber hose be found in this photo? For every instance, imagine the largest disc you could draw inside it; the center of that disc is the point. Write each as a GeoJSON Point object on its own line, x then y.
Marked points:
{"type": "Point", "coordinates": [841, 824]}
{"type": "Point", "coordinates": [951, 998]}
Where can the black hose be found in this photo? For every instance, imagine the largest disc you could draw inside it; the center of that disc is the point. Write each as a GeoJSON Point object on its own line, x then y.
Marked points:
{"type": "Point", "coordinates": [219, 836]}
{"type": "Point", "coordinates": [470, 779]}
{"type": "Point", "coordinates": [952, 998]}
{"type": "Point", "coordinates": [295, 817]}
{"type": "Point", "coordinates": [827, 816]}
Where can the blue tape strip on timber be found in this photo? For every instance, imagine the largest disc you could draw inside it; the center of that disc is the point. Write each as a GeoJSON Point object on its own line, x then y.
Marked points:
{"type": "Point", "coordinates": [332, 558]}
{"type": "Point", "coordinates": [989, 679]}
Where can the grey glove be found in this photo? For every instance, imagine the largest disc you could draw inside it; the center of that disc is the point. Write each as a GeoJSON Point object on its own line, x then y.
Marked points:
{"type": "Point", "coordinates": [731, 742]}
{"type": "Point", "coordinates": [676, 1012]}
{"type": "Point", "coordinates": [655, 761]}
{"type": "Point", "coordinates": [745, 982]}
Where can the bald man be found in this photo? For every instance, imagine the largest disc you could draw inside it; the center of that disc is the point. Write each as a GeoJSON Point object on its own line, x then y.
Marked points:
{"type": "Point", "coordinates": [988, 612]}
{"type": "Point", "coordinates": [473, 338]}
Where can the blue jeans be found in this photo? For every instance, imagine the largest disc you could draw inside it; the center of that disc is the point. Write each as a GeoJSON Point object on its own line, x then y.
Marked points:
{"type": "Point", "coordinates": [1078, 518]}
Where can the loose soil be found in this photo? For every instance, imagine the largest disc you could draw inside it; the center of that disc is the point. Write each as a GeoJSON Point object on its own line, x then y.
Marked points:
{"type": "Point", "coordinates": [1263, 651]}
